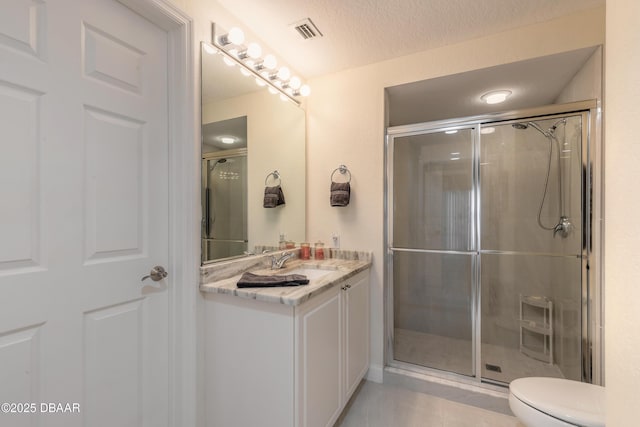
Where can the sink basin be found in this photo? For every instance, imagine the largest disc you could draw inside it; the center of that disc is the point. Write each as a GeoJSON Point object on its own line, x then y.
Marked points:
{"type": "Point", "coordinates": [311, 273]}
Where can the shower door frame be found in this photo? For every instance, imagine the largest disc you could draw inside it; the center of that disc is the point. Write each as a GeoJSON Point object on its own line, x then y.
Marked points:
{"type": "Point", "coordinates": [591, 317]}
{"type": "Point", "coordinates": [205, 158]}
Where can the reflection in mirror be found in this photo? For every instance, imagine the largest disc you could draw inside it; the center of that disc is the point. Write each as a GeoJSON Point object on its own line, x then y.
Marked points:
{"type": "Point", "coordinates": [247, 133]}
{"type": "Point", "coordinates": [224, 189]}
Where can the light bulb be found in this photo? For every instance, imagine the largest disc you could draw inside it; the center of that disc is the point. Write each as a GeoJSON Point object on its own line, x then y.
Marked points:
{"type": "Point", "coordinates": [283, 97]}
{"type": "Point", "coordinates": [283, 73]}
{"type": "Point", "coordinates": [260, 82]}
{"type": "Point", "coordinates": [270, 62]}
{"type": "Point", "coordinates": [305, 90]}
{"type": "Point", "coordinates": [496, 97]}
{"type": "Point", "coordinates": [254, 50]}
{"type": "Point", "coordinates": [228, 61]}
{"type": "Point", "coordinates": [227, 140]}
{"type": "Point", "coordinates": [235, 36]}
{"type": "Point", "coordinates": [209, 49]}
{"type": "Point", "coordinates": [245, 72]}
{"type": "Point", "coordinates": [272, 90]}
{"type": "Point", "coordinates": [295, 83]}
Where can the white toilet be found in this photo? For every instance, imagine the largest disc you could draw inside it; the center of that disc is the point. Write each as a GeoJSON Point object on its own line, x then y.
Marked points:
{"type": "Point", "coordinates": [555, 402]}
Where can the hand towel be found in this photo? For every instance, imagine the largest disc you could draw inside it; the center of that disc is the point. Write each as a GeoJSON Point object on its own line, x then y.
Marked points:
{"type": "Point", "coordinates": [273, 196]}
{"type": "Point", "coordinates": [250, 280]}
{"type": "Point", "coordinates": [340, 193]}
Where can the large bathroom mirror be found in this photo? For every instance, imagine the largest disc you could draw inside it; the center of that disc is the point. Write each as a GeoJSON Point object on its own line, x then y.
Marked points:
{"type": "Point", "coordinates": [247, 134]}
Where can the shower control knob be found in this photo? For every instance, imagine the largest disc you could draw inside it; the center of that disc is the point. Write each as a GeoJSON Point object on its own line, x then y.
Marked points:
{"type": "Point", "coordinates": [564, 227]}
{"type": "Point", "coordinates": [156, 274]}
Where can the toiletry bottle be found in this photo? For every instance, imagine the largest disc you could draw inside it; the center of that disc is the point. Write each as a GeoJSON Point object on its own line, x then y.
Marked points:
{"type": "Point", "coordinates": [305, 251]}
{"type": "Point", "coordinates": [319, 250]}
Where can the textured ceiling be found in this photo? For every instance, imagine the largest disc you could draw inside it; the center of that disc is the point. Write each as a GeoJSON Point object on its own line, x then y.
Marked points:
{"type": "Point", "coordinates": [360, 32]}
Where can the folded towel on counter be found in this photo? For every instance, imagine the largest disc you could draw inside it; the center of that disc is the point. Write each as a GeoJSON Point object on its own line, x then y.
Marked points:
{"type": "Point", "coordinates": [273, 196]}
{"type": "Point", "coordinates": [340, 193]}
{"type": "Point", "coordinates": [250, 280]}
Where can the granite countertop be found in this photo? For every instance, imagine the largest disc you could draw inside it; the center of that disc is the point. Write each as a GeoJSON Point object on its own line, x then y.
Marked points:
{"type": "Point", "coordinates": [338, 270]}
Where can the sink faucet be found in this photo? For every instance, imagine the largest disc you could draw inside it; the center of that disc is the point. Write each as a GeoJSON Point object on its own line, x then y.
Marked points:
{"type": "Point", "coordinates": [277, 263]}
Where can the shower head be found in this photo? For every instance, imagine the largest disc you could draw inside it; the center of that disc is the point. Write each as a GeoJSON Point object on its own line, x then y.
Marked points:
{"type": "Point", "coordinates": [523, 126]}
{"type": "Point", "coordinates": [555, 125]}
{"type": "Point", "coordinates": [216, 164]}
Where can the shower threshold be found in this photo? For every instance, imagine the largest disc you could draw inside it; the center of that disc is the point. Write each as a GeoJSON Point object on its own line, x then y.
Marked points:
{"type": "Point", "coordinates": [453, 355]}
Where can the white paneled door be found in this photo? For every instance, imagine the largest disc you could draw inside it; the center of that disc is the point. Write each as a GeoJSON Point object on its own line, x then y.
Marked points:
{"type": "Point", "coordinates": [84, 215]}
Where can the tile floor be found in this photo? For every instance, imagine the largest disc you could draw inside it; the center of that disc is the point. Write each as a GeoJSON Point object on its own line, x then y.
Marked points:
{"type": "Point", "coordinates": [390, 405]}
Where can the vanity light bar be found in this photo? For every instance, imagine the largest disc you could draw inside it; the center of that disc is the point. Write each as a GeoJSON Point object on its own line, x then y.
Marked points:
{"type": "Point", "coordinates": [279, 81]}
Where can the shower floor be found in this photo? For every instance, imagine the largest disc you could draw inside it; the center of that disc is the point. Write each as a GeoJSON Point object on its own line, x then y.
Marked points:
{"type": "Point", "coordinates": [454, 355]}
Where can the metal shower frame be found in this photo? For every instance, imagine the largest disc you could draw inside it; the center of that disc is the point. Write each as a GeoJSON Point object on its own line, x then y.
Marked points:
{"type": "Point", "coordinates": [592, 302]}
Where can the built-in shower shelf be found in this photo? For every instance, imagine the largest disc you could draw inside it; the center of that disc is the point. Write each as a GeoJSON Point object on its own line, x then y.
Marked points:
{"type": "Point", "coordinates": [536, 317]}
{"type": "Point", "coordinates": [535, 327]}
{"type": "Point", "coordinates": [534, 301]}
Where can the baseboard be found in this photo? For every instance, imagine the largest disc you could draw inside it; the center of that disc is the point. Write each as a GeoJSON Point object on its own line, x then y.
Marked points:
{"type": "Point", "coordinates": [375, 374]}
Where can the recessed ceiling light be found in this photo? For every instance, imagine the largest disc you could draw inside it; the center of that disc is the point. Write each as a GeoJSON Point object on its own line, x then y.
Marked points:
{"type": "Point", "coordinates": [450, 132]}
{"type": "Point", "coordinates": [496, 96]}
{"type": "Point", "coordinates": [227, 140]}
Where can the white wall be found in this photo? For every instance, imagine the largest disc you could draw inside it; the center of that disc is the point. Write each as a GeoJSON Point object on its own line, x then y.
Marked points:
{"type": "Point", "coordinates": [345, 125]}
{"type": "Point", "coordinates": [587, 83]}
{"type": "Point", "coordinates": [622, 207]}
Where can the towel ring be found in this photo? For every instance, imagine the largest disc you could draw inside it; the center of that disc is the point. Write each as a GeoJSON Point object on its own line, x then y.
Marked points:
{"type": "Point", "coordinates": [343, 170]}
{"type": "Point", "coordinates": [276, 176]}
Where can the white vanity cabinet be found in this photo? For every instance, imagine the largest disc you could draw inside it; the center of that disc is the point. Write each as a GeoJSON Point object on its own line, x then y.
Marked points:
{"type": "Point", "coordinates": [332, 351]}
{"type": "Point", "coordinates": [270, 364]}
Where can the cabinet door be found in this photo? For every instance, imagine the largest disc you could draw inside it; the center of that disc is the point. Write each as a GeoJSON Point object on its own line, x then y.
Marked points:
{"type": "Point", "coordinates": [319, 327]}
{"type": "Point", "coordinates": [356, 331]}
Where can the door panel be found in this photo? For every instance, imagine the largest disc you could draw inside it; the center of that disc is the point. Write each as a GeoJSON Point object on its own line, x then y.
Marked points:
{"type": "Point", "coordinates": [433, 198]}
{"type": "Point", "coordinates": [432, 310]}
{"type": "Point", "coordinates": [115, 203]}
{"type": "Point", "coordinates": [23, 26]}
{"type": "Point", "coordinates": [110, 60]}
{"type": "Point", "coordinates": [113, 350]}
{"type": "Point", "coordinates": [432, 190]}
{"type": "Point", "coordinates": [83, 177]}
{"type": "Point", "coordinates": [356, 333]}
{"type": "Point", "coordinates": [20, 108]}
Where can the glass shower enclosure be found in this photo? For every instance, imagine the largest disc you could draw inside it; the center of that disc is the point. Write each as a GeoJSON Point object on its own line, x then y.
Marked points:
{"type": "Point", "coordinates": [488, 246]}
{"type": "Point", "coordinates": [224, 204]}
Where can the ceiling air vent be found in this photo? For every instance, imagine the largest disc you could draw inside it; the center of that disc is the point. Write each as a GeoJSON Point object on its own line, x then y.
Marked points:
{"type": "Point", "coordinates": [307, 29]}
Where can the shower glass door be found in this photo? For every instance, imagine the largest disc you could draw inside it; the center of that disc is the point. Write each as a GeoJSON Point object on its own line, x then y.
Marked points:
{"type": "Point", "coordinates": [224, 206]}
{"type": "Point", "coordinates": [531, 180]}
{"type": "Point", "coordinates": [432, 250]}
{"type": "Point", "coordinates": [488, 247]}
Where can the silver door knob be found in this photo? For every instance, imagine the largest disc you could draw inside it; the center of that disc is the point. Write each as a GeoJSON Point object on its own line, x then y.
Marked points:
{"type": "Point", "coordinates": [157, 273]}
